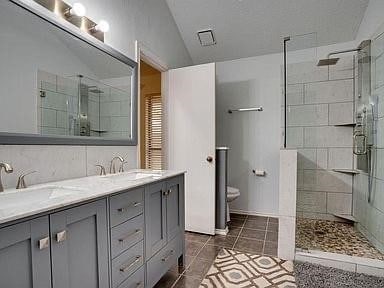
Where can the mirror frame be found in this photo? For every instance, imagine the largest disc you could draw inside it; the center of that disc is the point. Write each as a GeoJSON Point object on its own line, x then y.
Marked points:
{"type": "Point", "coordinates": [36, 139]}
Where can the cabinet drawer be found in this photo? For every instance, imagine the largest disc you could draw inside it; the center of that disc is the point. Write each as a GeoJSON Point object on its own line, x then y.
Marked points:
{"type": "Point", "coordinates": [127, 234]}
{"type": "Point", "coordinates": [159, 264]}
{"type": "Point", "coordinates": [135, 281]}
{"type": "Point", "coordinates": [126, 263]}
{"type": "Point", "coordinates": [126, 206]}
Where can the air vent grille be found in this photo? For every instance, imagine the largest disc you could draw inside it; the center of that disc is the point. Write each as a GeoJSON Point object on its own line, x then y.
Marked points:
{"type": "Point", "coordinates": [206, 37]}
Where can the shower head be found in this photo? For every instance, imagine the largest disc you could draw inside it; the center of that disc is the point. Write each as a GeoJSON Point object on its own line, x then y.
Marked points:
{"type": "Point", "coordinates": [328, 62]}
{"type": "Point", "coordinates": [94, 89]}
{"type": "Point", "coordinates": [332, 61]}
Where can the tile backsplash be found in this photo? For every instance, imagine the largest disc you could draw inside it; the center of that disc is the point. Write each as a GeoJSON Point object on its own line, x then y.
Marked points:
{"type": "Point", "coordinates": [54, 163]}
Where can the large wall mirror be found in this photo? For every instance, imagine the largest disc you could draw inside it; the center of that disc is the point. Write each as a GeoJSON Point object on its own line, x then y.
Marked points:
{"type": "Point", "coordinates": [59, 86]}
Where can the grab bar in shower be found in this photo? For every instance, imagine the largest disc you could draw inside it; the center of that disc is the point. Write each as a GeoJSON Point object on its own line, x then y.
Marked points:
{"type": "Point", "coordinates": [230, 111]}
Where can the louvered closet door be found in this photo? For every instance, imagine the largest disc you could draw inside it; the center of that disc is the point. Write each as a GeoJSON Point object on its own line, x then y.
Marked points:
{"type": "Point", "coordinates": [153, 131]}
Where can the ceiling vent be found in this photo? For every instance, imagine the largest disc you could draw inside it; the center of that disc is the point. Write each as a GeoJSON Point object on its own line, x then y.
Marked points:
{"type": "Point", "coordinates": [206, 37]}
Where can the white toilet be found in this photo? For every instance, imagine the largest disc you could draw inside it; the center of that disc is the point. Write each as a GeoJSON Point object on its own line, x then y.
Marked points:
{"type": "Point", "coordinates": [232, 194]}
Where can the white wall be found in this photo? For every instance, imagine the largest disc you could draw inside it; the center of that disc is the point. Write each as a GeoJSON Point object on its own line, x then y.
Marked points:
{"type": "Point", "coordinates": [148, 21]}
{"type": "Point", "coordinates": [253, 137]}
{"type": "Point", "coordinates": [373, 19]}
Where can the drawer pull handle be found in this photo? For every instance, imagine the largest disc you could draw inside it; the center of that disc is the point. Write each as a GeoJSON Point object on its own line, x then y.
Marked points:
{"type": "Point", "coordinates": [136, 232]}
{"type": "Point", "coordinates": [61, 236]}
{"type": "Point", "coordinates": [169, 191]}
{"type": "Point", "coordinates": [44, 243]}
{"type": "Point", "coordinates": [165, 193]}
{"type": "Point", "coordinates": [129, 266]}
{"type": "Point", "coordinates": [165, 259]}
{"type": "Point", "coordinates": [134, 205]}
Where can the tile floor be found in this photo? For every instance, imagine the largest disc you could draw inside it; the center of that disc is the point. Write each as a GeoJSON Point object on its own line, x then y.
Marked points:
{"type": "Point", "coordinates": [252, 234]}
{"type": "Point", "coordinates": [335, 237]}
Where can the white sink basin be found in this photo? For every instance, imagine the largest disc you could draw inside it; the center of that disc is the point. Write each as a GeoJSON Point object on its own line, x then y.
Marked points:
{"type": "Point", "coordinates": [32, 196]}
{"type": "Point", "coordinates": [131, 176]}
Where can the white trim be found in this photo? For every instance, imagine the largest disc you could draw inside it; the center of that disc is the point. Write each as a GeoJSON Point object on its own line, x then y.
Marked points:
{"type": "Point", "coordinates": [243, 212]}
{"type": "Point", "coordinates": [142, 52]}
{"type": "Point", "coordinates": [223, 232]}
{"type": "Point", "coordinates": [340, 261]}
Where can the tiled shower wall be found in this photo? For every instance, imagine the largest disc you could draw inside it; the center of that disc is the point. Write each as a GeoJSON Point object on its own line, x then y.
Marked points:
{"type": "Point", "coordinates": [320, 112]}
{"type": "Point", "coordinates": [370, 216]}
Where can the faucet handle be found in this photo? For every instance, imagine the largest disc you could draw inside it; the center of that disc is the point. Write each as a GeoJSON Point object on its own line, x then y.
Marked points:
{"type": "Point", "coordinates": [122, 166]}
{"type": "Point", "coordinates": [102, 169]}
{"type": "Point", "coordinates": [21, 182]}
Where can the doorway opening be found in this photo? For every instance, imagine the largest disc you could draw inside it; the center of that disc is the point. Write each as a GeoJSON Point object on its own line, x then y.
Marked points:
{"type": "Point", "coordinates": [151, 118]}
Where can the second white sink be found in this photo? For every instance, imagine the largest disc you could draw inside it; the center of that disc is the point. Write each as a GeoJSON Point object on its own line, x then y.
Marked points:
{"type": "Point", "coordinates": [131, 176]}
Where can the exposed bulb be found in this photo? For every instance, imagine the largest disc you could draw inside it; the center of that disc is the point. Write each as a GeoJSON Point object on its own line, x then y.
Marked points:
{"type": "Point", "coordinates": [78, 9]}
{"type": "Point", "coordinates": [103, 26]}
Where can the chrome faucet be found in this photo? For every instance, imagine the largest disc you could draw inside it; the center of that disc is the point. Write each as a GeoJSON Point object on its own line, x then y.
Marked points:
{"type": "Point", "coordinates": [21, 182]}
{"type": "Point", "coordinates": [102, 169]}
{"type": "Point", "coordinates": [8, 169]}
{"type": "Point", "coordinates": [112, 168]}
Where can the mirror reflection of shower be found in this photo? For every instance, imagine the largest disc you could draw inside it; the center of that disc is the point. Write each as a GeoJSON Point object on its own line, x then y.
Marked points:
{"type": "Point", "coordinates": [80, 106]}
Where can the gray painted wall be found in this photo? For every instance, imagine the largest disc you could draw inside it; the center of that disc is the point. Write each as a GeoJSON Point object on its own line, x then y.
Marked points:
{"type": "Point", "coordinates": [253, 137]}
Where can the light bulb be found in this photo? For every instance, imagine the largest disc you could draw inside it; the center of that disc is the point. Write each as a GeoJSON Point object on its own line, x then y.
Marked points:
{"type": "Point", "coordinates": [78, 9]}
{"type": "Point", "coordinates": [103, 26]}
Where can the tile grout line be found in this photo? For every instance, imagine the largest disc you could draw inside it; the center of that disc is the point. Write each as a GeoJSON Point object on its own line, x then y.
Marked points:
{"type": "Point", "coordinates": [241, 230]}
{"type": "Point", "coordinates": [265, 236]}
{"type": "Point", "coordinates": [193, 259]}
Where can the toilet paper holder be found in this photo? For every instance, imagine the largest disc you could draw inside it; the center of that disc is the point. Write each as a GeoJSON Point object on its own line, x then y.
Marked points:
{"type": "Point", "coordinates": [260, 173]}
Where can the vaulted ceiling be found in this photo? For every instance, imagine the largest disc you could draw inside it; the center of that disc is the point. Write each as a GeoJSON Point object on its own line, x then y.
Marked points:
{"type": "Point", "coordinates": [245, 28]}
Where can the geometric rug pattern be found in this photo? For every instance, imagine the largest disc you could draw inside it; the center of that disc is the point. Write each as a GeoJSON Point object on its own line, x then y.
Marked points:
{"type": "Point", "coordinates": [233, 269]}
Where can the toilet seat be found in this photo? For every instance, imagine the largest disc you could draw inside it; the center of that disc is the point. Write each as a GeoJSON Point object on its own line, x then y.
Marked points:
{"type": "Point", "coordinates": [232, 194]}
{"type": "Point", "coordinates": [233, 191]}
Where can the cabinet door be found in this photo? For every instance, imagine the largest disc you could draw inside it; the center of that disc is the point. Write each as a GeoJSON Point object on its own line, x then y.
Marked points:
{"type": "Point", "coordinates": [155, 218]}
{"type": "Point", "coordinates": [80, 247]}
{"type": "Point", "coordinates": [175, 207]}
{"type": "Point", "coordinates": [25, 255]}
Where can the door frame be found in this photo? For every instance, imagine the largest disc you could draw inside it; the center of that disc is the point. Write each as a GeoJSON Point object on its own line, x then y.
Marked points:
{"type": "Point", "coordinates": [143, 53]}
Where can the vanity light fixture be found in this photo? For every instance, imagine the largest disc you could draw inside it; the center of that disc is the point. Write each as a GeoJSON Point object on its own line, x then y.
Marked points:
{"type": "Point", "coordinates": [77, 9]}
{"type": "Point", "coordinates": [75, 14]}
{"type": "Point", "coordinates": [103, 26]}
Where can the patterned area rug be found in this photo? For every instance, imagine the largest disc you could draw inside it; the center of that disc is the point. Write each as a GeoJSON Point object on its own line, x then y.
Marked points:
{"type": "Point", "coordinates": [240, 270]}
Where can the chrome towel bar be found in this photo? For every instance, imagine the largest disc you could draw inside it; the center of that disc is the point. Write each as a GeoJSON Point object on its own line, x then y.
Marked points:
{"type": "Point", "coordinates": [230, 111]}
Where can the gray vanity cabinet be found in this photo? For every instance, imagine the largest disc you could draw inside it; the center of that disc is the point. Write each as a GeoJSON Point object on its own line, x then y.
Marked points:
{"type": "Point", "coordinates": [175, 207]}
{"type": "Point", "coordinates": [25, 255]}
{"type": "Point", "coordinates": [115, 242]}
{"type": "Point", "coordinates": [155, 218]}
{"type": "Point", "coordinates": [164, 224]}
{"type": "Point", "coordinates": [79, 238]}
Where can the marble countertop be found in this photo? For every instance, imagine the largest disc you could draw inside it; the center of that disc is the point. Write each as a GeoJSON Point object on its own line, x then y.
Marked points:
{"type": "Point", "coordinates": [18, 204]}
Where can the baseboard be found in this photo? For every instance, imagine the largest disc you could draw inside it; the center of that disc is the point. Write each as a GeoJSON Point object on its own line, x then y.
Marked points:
{"type": "Point", "coordinates": [253, 213]}
{"type": "Point", "coordinates": [222, 231]}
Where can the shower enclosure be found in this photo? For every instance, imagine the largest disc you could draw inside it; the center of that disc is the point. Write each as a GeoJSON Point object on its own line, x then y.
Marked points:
{"type": "Point", "coordinates": [333, 116]}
